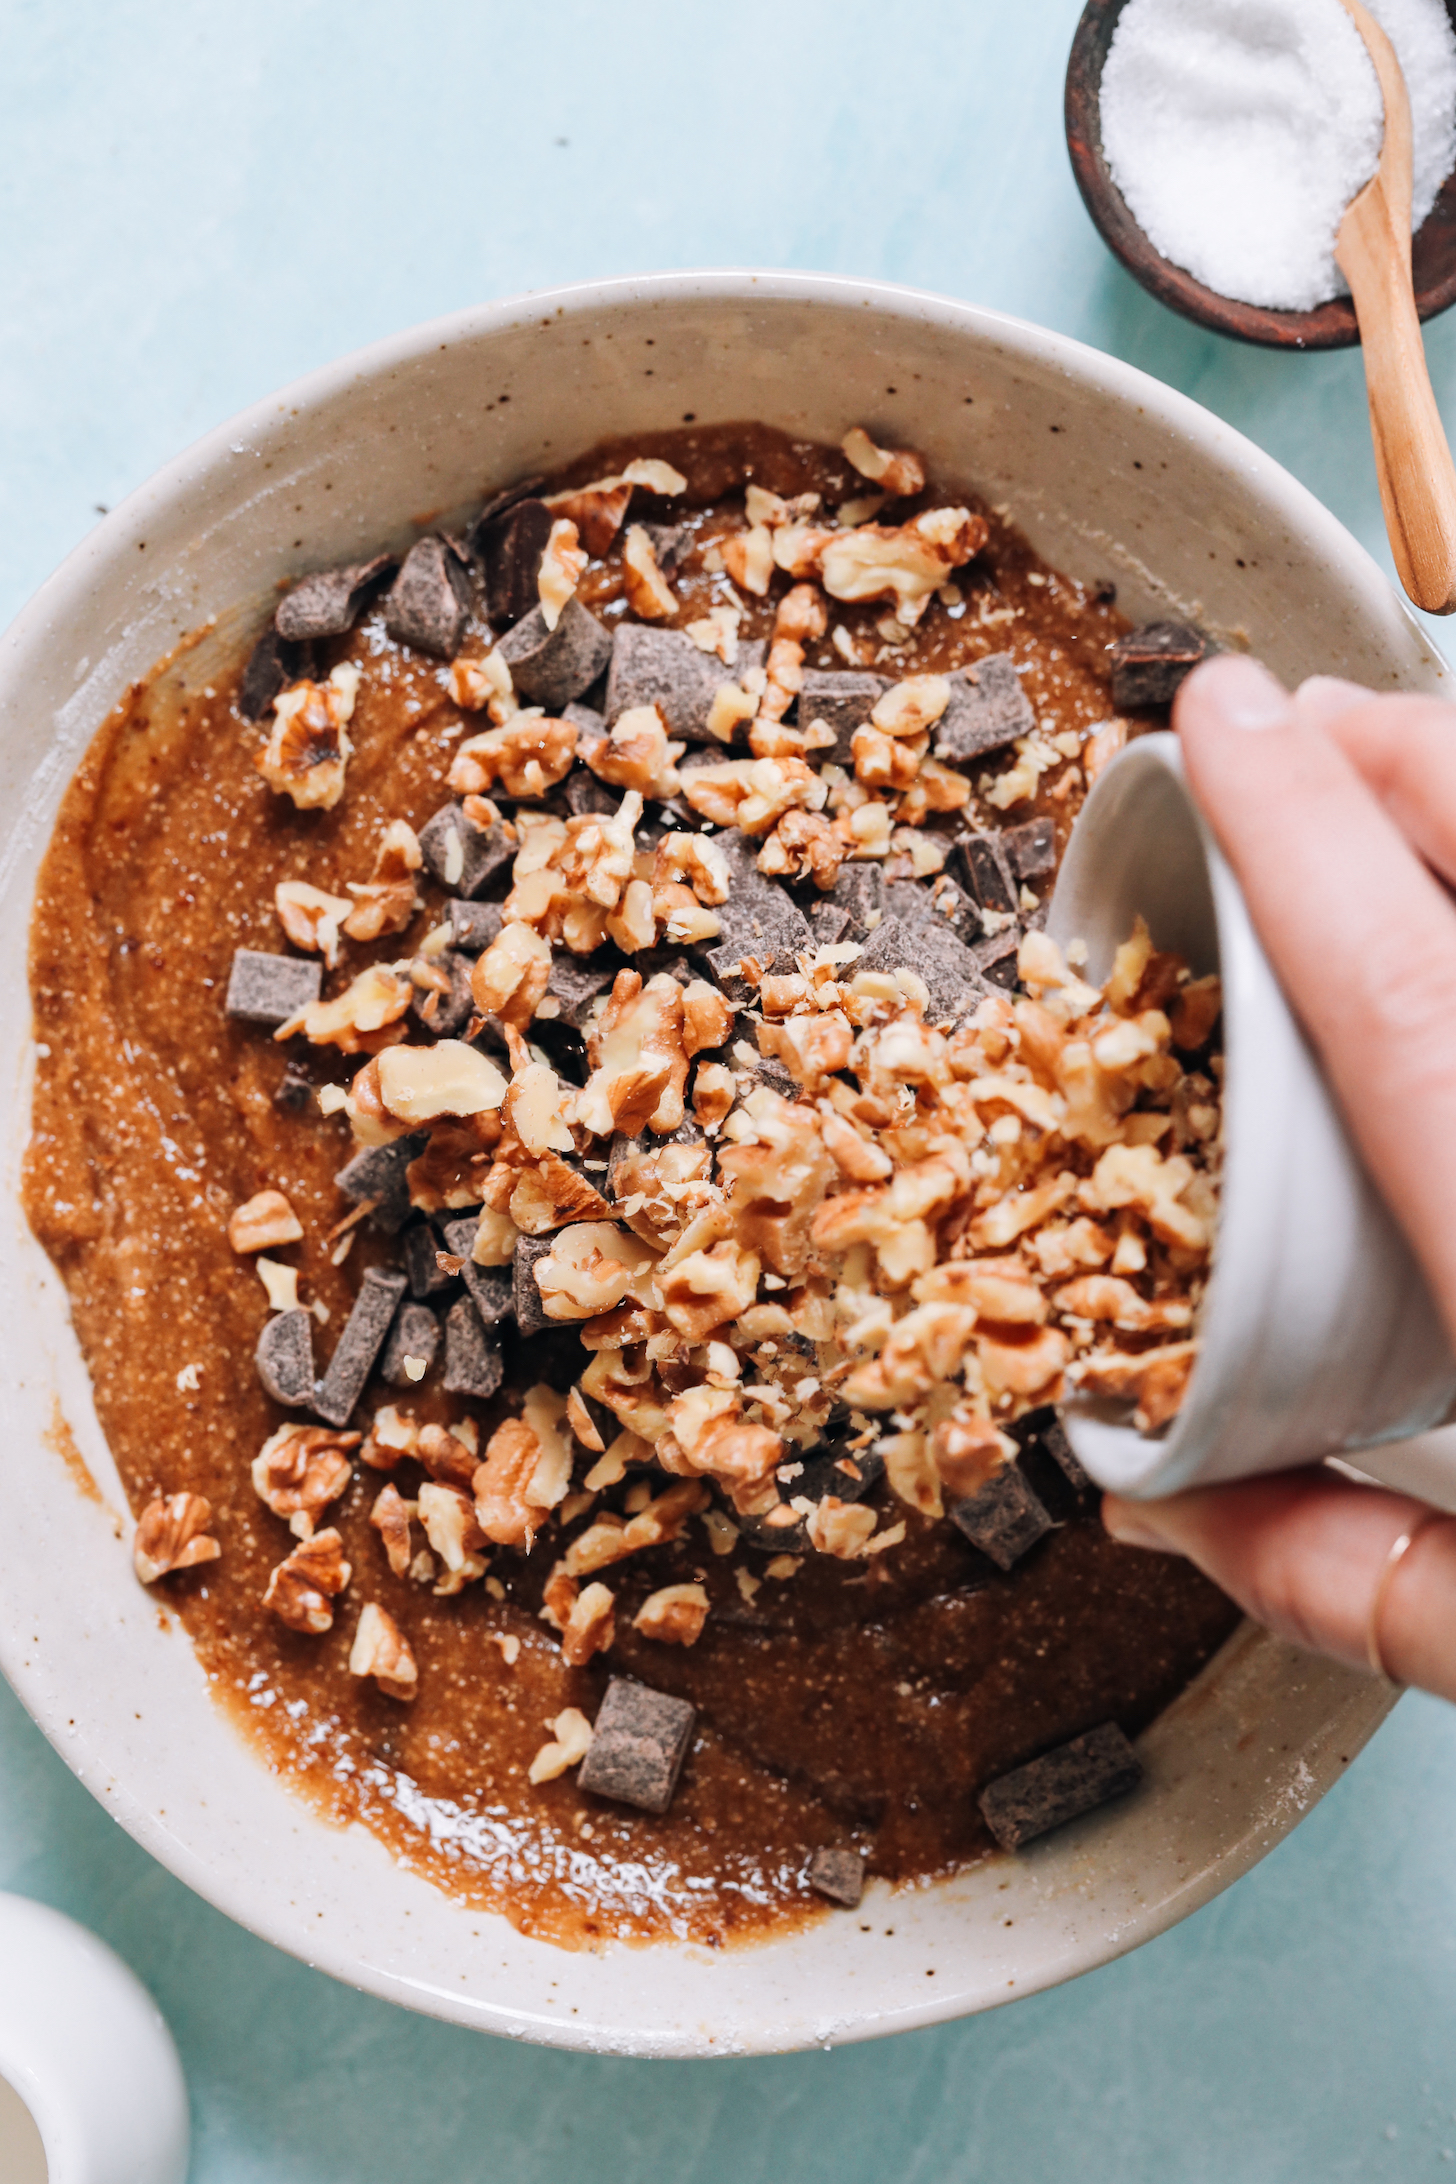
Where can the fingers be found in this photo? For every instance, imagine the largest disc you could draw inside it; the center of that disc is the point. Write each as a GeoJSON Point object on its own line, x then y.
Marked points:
{"type": "Point", "coordinates": [1305, 1553]}
{"type": "Point", "coordinates": [1360, 934]}
{"type": "Point", "coordinates": [1404, 749]}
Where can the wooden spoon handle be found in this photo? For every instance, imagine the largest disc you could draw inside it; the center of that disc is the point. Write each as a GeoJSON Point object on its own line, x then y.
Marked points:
{"type": "Point", "coordinates": [1412, 459]}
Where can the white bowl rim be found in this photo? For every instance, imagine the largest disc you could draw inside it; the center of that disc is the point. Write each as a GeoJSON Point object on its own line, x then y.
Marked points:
{"type": "Point", "coordinates": [1355, 1707]}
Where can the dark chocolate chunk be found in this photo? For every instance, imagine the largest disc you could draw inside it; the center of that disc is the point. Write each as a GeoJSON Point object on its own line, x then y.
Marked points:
{"type": "Point", "coordinates": [1042, 1430]}
{"type": "Point", "coordinates": [510, 549]}
{"type": "Point", "coordinates": [415, 1334]}
{"type": "Point", "coordinates": [831, 922]}
{"type": "Point", "coordinates": [586, 718]}
{"type": "Point", "coordinates": [553, 1357]}
{"type": "Point", "coordinates": [273, 663]}
{"type": "Point", "coordinates": [378, 1173]}
{"type": "Point", "coordinates": [952, 907]}
{"type": "Point", "coordinates": [473, 925]}
{"type": "Point", "coordinates": [951, 973]}
{"type": "Point", "coordinates": [1004, 1519]}
{"type": "Point", "coordinates": [639, 1742]}
{"type": "Point", "coordinates": [664, 668]}
{"type": "Point", "coordinates": [988, 708]}
{"type": "Point", "coordinates": [446, 1014]}
{"type": "Point", "coordinates": [997, 956]}
{"type": "Point", "coordinates": [482, 853]}
{"type": "Point", "coordinates": [860, 889]}
{"type": "Point", "coordinates": [496, 506]}
{"type": "Point", "coordinates": [760, 918]}
{"type": "Point", "coordinates": [553, 666]}
{"type": "Point", "coordinates": [419, 1247]}
{"type": "Point", "coordinates": [843, 700]}
{"type": "Point", "coordinates": [575, 983]}
{"type": "Point", "coordinates": [839, 1875]}
{"type": "Point", "coordinates": [1150, 664]}
{"type": "Point", "coordinates": [473, 1363]}
{"type": "Point", "coordinates": [328, 602]}
{"type": "Point", "coordinates": [492, 1287]}
{"type": "Point", "coordinates": [359, 1345]}
{"type": "Point", "coordinates": [295, 1093]}
{"type": "Point", "coordinates": [985, 869]}
{"type": "Point", "coordinates": [1031, 848]}
{"type": "Point", "coordinates": [284, 1356]}
{"type": "Point", "coordinates": [531, 1315]}
{"type": "Point", "coordinates": [428, 603]}
{"type": "Point", "coordinates": [1060, 1786]}
{"type": "Point", "coordinates": [268, 989]}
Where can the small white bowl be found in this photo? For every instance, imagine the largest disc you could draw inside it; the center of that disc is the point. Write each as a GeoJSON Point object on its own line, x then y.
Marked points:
{"type": "Point", "coordinates": [1110, 475]}
{"type": "Point", "coordinates": [1318, 1334]}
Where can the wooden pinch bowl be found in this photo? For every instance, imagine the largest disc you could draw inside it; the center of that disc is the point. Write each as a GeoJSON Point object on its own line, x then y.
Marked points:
{"type": "Point", "coordinates": [1330, 326]}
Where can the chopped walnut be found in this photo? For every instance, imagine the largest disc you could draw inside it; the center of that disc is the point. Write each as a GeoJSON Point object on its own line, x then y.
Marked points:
{"type": "Point", "coordinates": [636, 753]}
{"type": "Point", "coordinates": [300, 1469]}
{"type": "Point", "coordinates": [308, 747]}
{"type": "Point", "coordinates": [648, 592]}
{"type": "Point", "coordinates": [840, 1528]}
{"type": "Point", "coordinates": [387, 902]}
{"type": "Point", "coordinates": [377, 998]}
{"type": "Point", "coordinates": [421, 1084]}
{"type": "Point", "coordinates": [381, 1650]}
{"type": "Point", "coordinates": [674, 1615]}
{"type": "Point", "coordinates": [717, 631]}
{"type": "Point", "coordinates": [563, 565]}
{"type": "Point", "coordinates": [510, 977]}
{"type": "Point", "coordinates": [754, 793]}
{"type": "Point", "coordinates": [448, 1518]}
{"type": "Point", "coordinates": [311, 918]}
{"type": "Point", "coordinates": [477, 683]}
{"type": "Point", "coordinates": [527, 756]}
{"type": "Point", "coordinates": [897, 471]}
{"type": "Point", "coordinates": [172, 1534]}
{"type": "Point", "coordinates": [263, 1222]}
{"type": "Point", "coordinates": [906, 566]}
{"type": "Point", "coordinates": [589, 1624]}
{"type": "Point", "coordinates": [612, 1538]}
{"type": "Point", "coordinates": [591, 1267]}
{"type": "Point", "coordinates": [639, 1065]}
{"type": "Point", "coordinates": [803, 846]}
{"type": "Point", "coordinates": [571, 1741]}
{"type": "Point", "coordinates": [303, 1586]}
{"type": "Point", "coordinates": [390, 1518]}
{"type": "Point", "coordinates": [596, 510]}
{"type": "Point", "coordinates": [707, 1020]}
{"type": "Point", "coordinates": [748, 556]}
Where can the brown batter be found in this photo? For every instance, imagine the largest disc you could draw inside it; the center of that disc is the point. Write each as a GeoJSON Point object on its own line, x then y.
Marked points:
{"type": "Point", "coordinates": [848, 1703]}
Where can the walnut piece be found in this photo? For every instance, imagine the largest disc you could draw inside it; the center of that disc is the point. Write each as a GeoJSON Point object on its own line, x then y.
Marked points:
{"type": "Point", "coordinates": [636, 753]}
{"type": "Point", "coordinates": [381, 1650]}
{"type": "Point", "coordinates": [300, 1469]}
{"type": "Point", "coordinates": [648, 592]}
{"type": "Point", "coordinates": [390, 1518]}
{"type": "Point", "coordinates": [896, 470]}
{"type": "Point", "coordinates": [571, 1740]}
{"type": "Point", "coordinates": [302, 1587]}
{"type": "Point", "coordinates": [674, 1615]}
{"type": "Point", "coordinates": [387, 902]}
{"type": "Point", "coordinates": [311, 918]}
{"type": "Point", "coordinates": [172, 1534]}
{"type": "Point", "coordinates": [906, 566]}
{"type": "Point", "coordinates": [563, 565]}
{"type": "Point", "coordinates": [421, 1084]}
{"type": "Point", "coordinates": [377, 998]}
{"type": "Point", "coordinates": [527, 756]}
{"type": "Point", "coordinates": [262, 1222]}
{"type": "Point", "coordinates": [308, 747]}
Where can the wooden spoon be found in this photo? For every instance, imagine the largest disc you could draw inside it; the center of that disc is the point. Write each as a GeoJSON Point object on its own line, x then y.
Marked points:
{"type": "Point", "coordinates": [1373, 249]}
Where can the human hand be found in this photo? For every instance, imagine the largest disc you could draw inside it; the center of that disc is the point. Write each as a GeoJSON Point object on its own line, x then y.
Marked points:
{"type": "Point", "coordinates": [1337, 811]}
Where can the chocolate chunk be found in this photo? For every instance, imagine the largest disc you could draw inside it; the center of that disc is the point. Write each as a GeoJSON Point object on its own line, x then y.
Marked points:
{"type": "Point", "coordinates": [1060, 1786]}
{"type": "Point", "coordinates": [473, 925]}
{"type": "Point", "coordinates": [428, 603]}
{"type": "Point", "coordinates": [589, 721]}
{"type": "Point", "coordinates": [760, 918]}
{"type": "Point", "coordinates": [843, 700]}
{"type": "Point", "coordinates": [273, 663]}
{"type": "Point", "coordinates": [584, 793]}
{"type": "Point", "coordinates": [1031, 848]}
{"type": "Point", "coordinates": [473, 1363]}
{"type": "Point", "coordinates": [1150, 664]}
{"type": "Point", "coordinates": [359, 1345]}
{"type": "Point", "coordinates": [988, 708]}
{"type": "Point", "coordinates": [446, 1014]}
{"type": "Point", "coordinates": [328, 602]}
{"type": "Point", "coordinates": [419, 1247]}
{"type": "Point", "coordinates": [839, 1875]}
{"type": "Point", "coordinates": [268, 989]}
{"type": "Point", "coordinates": [510, 550]}
{"type": "Point", "coordinates": [860, 889]}
{"type": "Point", "coordinates": [531, 1315]}
{"type": "Point", "coordinates": [953, 908]}
{"type": "Point", "coordinates": [951, 973]}
{"type": "Point", "coordinates": [508, 497]}
{"type": "Point", "coordinates": [553, 666]}
{"type": "Point", "coordinates": [638, 1746]}
{"type": "Point", "coordinates": [1041, 1432]}
{"type": "Point", "coordinates": [553, 1357]}
{"type": "Point", "coordinates": [985, 869]}
{"type": "Point", "coordinates": [575, 984]}
{"type": "Point", "coordinates": [295, 1093]}
{"type": "Point", "coordinates": [664, 668]}
{"type": "Point", "coordinates": [284, 1357]}
{"type": "Point", "coordinates": [378, 1173]}
{"type": "Point", "coordinates": [482, 852]}
{"type": "Point", "coordinates": [1004, 1519]}
{"type": "Point", "coordinates": [997, 957]}
{"type": "Point", "coordinates": [848, 1474]}
{"type": "Point", "coordinates": [830, 921]}
{"type": "Point", "coordinates": [416, 1334]}
{"type": "Point", "coordinates": [491, 1287]}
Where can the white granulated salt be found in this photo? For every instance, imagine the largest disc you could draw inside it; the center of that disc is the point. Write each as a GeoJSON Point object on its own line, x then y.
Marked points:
{"type": "Point", "coordinates": [1239, 130]}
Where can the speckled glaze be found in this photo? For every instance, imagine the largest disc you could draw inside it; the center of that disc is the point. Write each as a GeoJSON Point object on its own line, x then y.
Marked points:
{"type": "Point", "coordinates": [1110, 475]}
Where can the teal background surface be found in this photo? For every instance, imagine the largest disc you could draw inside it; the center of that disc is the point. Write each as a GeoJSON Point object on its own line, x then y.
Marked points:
{"type": "Point", "coordinates": [196, 205]}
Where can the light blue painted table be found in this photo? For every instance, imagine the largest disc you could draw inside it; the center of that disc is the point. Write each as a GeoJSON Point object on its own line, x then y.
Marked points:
{"type": "Point", "coordinates": [196, 205]}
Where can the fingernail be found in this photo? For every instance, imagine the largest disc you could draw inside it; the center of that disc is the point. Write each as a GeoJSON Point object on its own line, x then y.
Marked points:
{"type": "Point", "coordinates": [1245, 692]}
{"type": "Point", "coordinates": [1131, 1526]}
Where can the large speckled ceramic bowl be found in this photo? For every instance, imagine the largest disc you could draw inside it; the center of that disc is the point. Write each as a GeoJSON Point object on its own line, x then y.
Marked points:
{"type": "Point", "coordinates": [1110, 475]}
